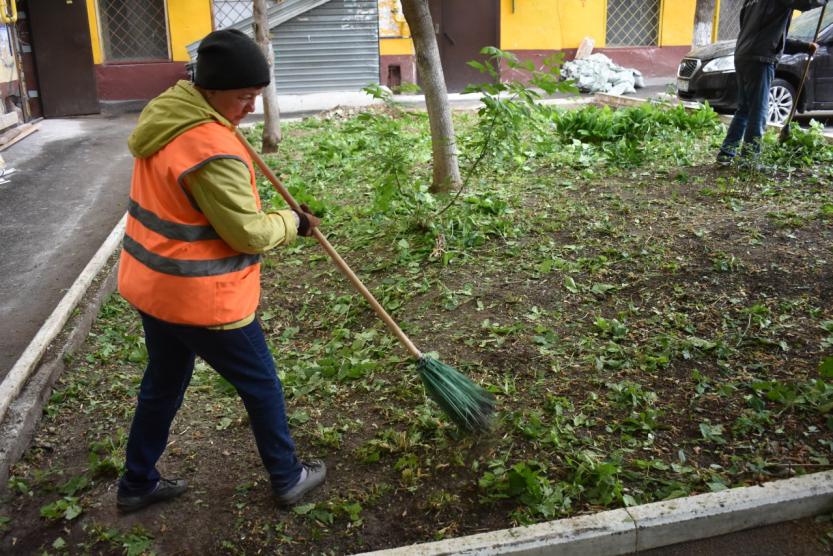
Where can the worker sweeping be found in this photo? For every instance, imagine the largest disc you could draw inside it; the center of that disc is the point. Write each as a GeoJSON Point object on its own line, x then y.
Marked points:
{"type": "Point", "coordinates": [191, 267]}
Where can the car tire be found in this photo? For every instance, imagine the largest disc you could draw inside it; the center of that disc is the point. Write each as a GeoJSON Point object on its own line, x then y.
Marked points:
{"type": "Point", "coordinates": [781, 100]}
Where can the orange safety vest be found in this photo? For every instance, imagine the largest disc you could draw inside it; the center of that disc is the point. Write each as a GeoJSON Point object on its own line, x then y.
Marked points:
{"type": "Point", "coordinates": [173, 264]}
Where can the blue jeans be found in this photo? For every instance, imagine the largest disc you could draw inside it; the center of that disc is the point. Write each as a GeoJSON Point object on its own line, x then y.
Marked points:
{"type": "Point", "coordinates": [749, 121]}
{"type": "Point", "coordinates": [242, 357]}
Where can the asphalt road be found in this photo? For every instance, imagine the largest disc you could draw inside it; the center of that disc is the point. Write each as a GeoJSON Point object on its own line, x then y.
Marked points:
{"type": "Point", "coordinates": [68, 191]}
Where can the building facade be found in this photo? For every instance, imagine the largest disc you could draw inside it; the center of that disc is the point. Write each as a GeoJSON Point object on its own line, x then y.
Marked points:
{"type": "Point", "coordinates": [76, 57]}
{"type": "Point", "coordinates": [650, 35]}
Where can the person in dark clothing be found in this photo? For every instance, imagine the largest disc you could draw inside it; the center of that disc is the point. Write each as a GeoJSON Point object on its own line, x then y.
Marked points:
{"type": "Point", "coordinates": [762, 39]}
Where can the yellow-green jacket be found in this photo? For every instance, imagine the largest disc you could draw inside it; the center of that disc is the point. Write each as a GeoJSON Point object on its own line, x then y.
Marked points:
{"type": "Point", "coordinates": [222, 187]}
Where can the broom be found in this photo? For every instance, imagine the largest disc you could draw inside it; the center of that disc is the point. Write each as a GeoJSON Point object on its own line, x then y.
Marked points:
{"type": "Point", "coordinates": [466, 404]}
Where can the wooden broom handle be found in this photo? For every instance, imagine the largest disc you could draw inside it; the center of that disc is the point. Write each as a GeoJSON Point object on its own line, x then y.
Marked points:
{"type": "Point", "coordinates": [340, 263]}
{"type": "Point", "coordinates": [785, 128]}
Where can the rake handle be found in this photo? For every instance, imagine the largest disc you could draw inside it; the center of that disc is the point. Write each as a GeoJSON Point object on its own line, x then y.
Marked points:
{"type": "Point", "coordinates": [340, 263]}
{"type": "Point", "coordinates": [785, 130]}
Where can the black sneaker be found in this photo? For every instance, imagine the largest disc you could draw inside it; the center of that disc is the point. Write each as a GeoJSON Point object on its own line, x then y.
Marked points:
{"type": "Point", "coordinates": [165, 490]}
{"type": "Point", "coordinates": [724, 159]}
{"type": "Point", "coordinates": [316, 471]}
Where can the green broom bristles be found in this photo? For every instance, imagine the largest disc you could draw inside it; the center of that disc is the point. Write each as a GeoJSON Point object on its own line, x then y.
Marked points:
{"type": "Point", "coordinates": [467, 404]}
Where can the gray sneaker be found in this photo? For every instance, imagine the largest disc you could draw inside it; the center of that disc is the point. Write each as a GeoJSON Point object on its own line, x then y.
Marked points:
{"type": "Point", "coordinates": [316, 471]}
{"type": "Point", "coordinates": [165, 490]}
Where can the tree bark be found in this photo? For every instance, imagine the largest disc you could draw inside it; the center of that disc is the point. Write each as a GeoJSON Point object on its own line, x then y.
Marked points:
{"type": "Point", "coordinates": [446, 171]}
{"type": "Point", "coordinates": [271, 114]}
{"type": "Point", "coordinates": [703, 22]}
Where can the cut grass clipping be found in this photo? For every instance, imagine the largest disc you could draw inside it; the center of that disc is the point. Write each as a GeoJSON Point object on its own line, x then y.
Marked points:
{"type": "Point", "coordinates": [466, 403]}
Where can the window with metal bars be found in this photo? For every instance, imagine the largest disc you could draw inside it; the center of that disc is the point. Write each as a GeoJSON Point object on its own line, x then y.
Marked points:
{"type": "Point", "coordinates": [134, 30]}
{"type": "Point", "coordinates": [632, 22]}
{"type": "Point", "coordinates": [728, 27]}
{"type": "Point", "coordinates": [228, 12]}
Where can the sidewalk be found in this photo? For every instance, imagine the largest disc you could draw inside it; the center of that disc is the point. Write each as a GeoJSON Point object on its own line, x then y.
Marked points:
{"type": "Point", "coordinates": [68, 190]}
{"type": "Point", "coordinates": [294, 106]}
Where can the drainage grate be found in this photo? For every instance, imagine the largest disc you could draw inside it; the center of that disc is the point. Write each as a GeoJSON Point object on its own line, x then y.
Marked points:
{"type": "Point", "coordinates": [632, 22]}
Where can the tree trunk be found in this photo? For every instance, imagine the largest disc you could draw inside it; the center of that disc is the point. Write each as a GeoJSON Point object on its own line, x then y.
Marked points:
{"type": "Point", "coordinates": [703, 22]}
{"type": "Point", "coordinates": [430, 70]}
{"type": "Point", "coordinates": [271, 114]}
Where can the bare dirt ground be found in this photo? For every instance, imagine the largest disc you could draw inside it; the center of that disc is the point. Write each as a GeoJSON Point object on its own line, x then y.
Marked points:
{"type": "Point", "coordinates": [652, 333]}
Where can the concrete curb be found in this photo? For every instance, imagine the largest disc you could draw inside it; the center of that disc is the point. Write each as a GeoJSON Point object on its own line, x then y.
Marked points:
{"type": "Point", "coordinates": [630, 530]}
{"type": "Point", "coordinates": [14, 381]}
{"type": "Point", "coordinates": [43, 361]}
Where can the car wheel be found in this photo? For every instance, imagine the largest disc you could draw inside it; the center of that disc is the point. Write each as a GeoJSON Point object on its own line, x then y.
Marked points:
{"type": "Point", "coordinates": [781, 99]}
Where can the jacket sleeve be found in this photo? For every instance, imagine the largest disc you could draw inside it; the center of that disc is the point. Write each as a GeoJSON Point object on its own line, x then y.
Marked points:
{"type": "Point", "coordinates": [795, 46]}
{"type": "Point", "coordinates": [223, 192]}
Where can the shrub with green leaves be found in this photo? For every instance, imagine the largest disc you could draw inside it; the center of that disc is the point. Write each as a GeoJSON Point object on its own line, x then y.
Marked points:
{"type": "Point", "coordinates": [803, 147]}
{"type": "Point", "coordinates": [510, 107]}
{"type": "Point", "coordinates": [622, 135]}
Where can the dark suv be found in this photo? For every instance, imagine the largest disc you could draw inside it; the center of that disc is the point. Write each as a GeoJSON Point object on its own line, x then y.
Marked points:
{"type": "Point", "coordinates": [708, 73]}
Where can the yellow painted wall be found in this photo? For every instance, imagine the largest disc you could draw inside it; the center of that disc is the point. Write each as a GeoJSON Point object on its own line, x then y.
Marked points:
{"type": "Point", "coordinates": [394, 34]}
{"type": "Point", "coordinates": [676, 24]}
{"type": "Point", "coordinates": [531, 26]}
{"type": "Point", "coordinates": [561, 24]}
{"type": "Point", "coordinates": [188, 21]}
{"type": "Point", "coordinates": [715, 20]}
{"type": "Point", "coordinates": [582, 18]}
{"type": "Point", "coordinates": [535, 25]}
{"type": "Point", "coordinates": [551, 24]}
{"type": "Point", "coordinates": [396, 47]}
{"type": "Point", "coordinates": [95, 39]}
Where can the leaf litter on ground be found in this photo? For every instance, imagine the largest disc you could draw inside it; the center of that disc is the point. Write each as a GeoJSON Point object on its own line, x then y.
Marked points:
{"type": "Point", "coordinates": [651, 327]}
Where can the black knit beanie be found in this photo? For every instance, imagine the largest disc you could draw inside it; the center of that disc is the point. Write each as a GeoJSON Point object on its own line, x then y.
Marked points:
{"type": "Point", "coordinates": [228, 59]}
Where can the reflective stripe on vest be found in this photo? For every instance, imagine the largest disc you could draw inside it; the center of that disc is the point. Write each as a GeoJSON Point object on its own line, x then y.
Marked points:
{"type": "Point", "coordinates": [171, 230]}
{"type": "Point", "coordinates": [188, 268]}
{"type": "Point", "coordinates": [174, 266]}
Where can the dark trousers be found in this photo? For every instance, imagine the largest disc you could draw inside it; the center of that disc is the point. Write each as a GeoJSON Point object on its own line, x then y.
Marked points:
{"type": "Point", "coordinates": [749, 121]}
{"type": "Point", "coordinates": [242, 357]}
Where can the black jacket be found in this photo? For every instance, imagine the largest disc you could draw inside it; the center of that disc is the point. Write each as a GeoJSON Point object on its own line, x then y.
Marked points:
{"type": "Point", "coordinates": [763, 26]}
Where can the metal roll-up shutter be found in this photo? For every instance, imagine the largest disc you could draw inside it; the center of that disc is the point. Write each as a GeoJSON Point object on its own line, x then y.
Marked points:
{"type": "Point", "coordinates": [333, 47]}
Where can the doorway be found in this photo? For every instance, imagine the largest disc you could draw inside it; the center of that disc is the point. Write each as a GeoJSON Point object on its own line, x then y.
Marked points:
{"type": "Point", "coordinates": [463, 27]}
{"type": "Point", "coordinates": [63, 58]}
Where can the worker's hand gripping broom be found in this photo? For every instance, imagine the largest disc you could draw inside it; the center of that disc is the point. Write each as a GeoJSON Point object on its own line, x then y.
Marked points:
{"type": "Point", "coordinates": [466, 403]}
